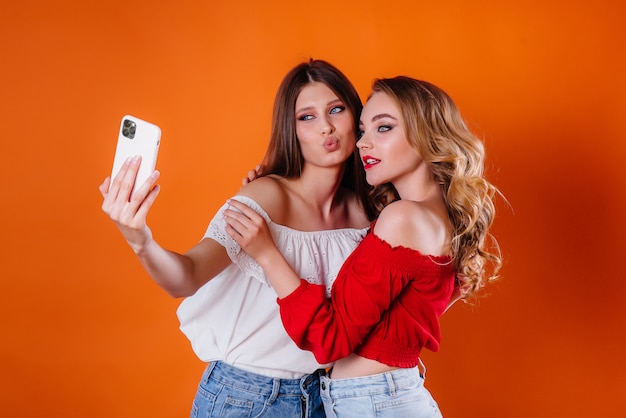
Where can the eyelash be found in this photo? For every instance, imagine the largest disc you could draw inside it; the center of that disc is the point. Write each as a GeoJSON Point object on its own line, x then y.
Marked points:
{"type": "Point", "coordinates": [381, 128]}
{"type": "Point", "coordinates": [333, 111]}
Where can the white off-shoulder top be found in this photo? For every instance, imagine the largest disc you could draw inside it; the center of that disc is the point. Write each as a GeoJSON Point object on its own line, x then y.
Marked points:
{"type": "Point", "coordinates": [234, 317]}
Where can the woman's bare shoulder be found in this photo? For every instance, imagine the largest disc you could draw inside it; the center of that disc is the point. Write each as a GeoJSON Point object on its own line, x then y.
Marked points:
{"type": "Point", "coordinates": [413, 225]}
{"type": "Point", "coordinates": [270, 192]}
{"type": "Point", "coordinates": [396, 218]}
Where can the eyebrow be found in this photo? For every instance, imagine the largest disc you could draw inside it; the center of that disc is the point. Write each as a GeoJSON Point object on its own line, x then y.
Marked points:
{"type": "Point", "coordinates": [380, 116]}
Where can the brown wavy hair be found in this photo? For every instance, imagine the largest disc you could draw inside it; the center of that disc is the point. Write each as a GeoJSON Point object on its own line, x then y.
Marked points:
{"type": "Point", "coordinates": [283, 156]}
{"type": "Point", "coordinates": [438, 133]}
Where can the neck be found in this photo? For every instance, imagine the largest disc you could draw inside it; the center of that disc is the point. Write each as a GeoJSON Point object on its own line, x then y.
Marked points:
{"type": "Point", "coordinates": [319, 186]}
{"type": "Point", "coordinates": [419, 186]}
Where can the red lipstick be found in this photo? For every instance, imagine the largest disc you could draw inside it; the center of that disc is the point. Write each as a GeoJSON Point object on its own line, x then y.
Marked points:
{"type": "Point", "coordinates": [369, 161]}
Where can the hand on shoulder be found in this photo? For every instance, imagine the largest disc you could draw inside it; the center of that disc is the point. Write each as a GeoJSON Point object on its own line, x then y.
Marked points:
{"type": "Point", "coordinates": [414, 225]}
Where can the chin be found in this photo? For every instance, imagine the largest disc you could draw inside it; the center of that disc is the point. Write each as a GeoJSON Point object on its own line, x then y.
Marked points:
{"type": "Point", "coordinates": [372, 181]}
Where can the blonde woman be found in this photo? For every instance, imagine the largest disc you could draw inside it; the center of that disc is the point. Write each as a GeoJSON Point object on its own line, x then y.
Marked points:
{"type": "Point", "coordinates": [430, 240]}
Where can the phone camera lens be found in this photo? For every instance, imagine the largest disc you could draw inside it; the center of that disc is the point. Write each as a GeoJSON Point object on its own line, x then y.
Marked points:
{"type": "Point", "coordinates": [129, 128]}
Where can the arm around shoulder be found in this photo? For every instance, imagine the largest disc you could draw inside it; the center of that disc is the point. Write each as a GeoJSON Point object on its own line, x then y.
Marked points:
{"type": "Point", "coordinates": [250, 230]}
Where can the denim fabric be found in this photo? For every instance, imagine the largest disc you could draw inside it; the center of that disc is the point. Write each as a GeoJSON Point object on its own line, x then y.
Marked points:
{"type": "Point", "coordinates": [226, 391]}
{"type": "Point", "coordinates": [399, 393]}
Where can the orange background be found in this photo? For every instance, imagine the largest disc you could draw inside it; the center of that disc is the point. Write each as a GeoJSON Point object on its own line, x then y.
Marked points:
{"type": "Point", "coordinates": [86, 333]}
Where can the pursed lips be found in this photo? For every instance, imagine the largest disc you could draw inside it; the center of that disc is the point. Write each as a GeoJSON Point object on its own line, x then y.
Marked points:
{"type": "Point", "coordinates": [331, 144]}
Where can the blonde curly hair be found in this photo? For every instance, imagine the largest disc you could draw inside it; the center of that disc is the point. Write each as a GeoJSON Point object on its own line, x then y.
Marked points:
{"type": "Point", "coordinates": [438, 133]}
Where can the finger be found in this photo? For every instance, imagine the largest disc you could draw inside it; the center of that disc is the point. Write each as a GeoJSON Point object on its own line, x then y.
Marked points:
{"type": "Point", "coordinates": [252, 174]}
{"type": "Point", "coordinates": [138, 198]}
{"type": "Point", "coordinates": [147, 203]}
{"type": "Point", "coordinates": [234, 233]}
{"type": "Point", "coordinates": [104, 187]}
{"type": "Point", "coordinates": [106, 195]}
{"type": "Point", "coordinates": [236, 214]}
{"type": "Point", "coordinates": [142, 191]}
{"type": "Point", "coordinates": [128, 181]}
{"type": "Point", "coordinates": [237, 220]}
{"type": "Point", "coordinates": [245, 209]}
{"type": "Point", "coordinates": [117, 201]}
{"type": "Point", "coordinates": [116, 182]}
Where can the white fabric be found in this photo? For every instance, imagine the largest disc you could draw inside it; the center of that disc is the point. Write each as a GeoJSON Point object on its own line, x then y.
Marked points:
{"type": "Point", "coordinates": [234, 317]}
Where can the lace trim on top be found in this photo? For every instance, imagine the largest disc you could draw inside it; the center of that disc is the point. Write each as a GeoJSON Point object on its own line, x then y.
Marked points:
{"type": "Point", "coordinates": [217, 231]}
{"type": "Point", "coordinates": [300, 248]}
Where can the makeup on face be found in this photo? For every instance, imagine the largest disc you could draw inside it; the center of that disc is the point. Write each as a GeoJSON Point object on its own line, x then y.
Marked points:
{"type": "Point", "coordinates": [324, 125]}
{"type": "Point", "coordinates": [385, 152]}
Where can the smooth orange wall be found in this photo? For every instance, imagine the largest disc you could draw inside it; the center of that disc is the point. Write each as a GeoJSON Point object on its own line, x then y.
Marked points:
{"type": "Point", "coordinates": [86, 333]}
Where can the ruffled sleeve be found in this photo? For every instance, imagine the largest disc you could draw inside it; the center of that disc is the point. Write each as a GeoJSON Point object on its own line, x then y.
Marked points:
{"type": "Point", "coordinates": [217, 232]}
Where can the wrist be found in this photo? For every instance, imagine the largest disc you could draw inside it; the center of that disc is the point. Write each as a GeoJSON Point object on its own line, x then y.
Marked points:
{"type": "Point", "coordinates": [269, 259]}
{"type": "Point", "coordinates": [142, 248]}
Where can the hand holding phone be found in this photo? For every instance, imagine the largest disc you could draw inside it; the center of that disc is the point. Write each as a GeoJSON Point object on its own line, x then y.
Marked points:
{"type": "Point", "coordinates": [137, 137]}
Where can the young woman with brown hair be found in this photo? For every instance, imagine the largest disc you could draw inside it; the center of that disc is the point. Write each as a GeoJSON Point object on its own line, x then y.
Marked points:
{"type": "Point", "coordinates": [313, 196]}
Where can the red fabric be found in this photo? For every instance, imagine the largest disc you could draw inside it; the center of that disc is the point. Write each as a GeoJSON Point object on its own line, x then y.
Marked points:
{"type": "Point", "coordinates": [385, 305]}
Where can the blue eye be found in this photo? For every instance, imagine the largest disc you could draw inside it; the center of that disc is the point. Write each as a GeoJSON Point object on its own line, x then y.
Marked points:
{"type": "Point", "coordinates": [337, 109]}
{"type": "Point", "coordinates": [305, 117]}
{"type": "Point", "coordinates": [384, 128]}
{"type": "Point", "coordinates": [360, 134]}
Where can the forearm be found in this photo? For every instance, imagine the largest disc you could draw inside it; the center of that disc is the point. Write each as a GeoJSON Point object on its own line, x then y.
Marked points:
{"type": "Point", "coordinates": [313, 324]}
{"type": "Point", "coordinates": [173, 272]}
{"type": "Point", "coordinates": [279, 272]}
{"type": "Point", "coordinates": [179, 275]}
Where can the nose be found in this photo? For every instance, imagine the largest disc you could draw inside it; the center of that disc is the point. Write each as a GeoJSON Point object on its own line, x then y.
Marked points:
{"type": "Point", "coordinates": [327, 126]}
{"type": "Point", "coordinates": [363, 143]}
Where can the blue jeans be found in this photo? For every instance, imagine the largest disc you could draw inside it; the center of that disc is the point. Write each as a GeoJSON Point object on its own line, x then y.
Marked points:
{"type": "Point", "coordinates": [226, 391]}
{"type": "Point", "coordinates": [399, 393]}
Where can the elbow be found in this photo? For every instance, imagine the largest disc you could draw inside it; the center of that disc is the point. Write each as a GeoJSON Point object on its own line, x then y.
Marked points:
{"type": "Point", "coordinates": [175, 294]}
{"type": "Point", "coordinates": [178, 292]}
{"type": "Point", "coordinates": [325, 357]}
{"type": "Point", "coordinates": [322, 354]}
{"type": "Point", "coordinates": [322, 359]}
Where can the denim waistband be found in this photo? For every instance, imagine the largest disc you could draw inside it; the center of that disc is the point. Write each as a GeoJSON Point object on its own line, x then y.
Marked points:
{"type": "Point", "coordinates": [262, 385]}
{"type": "Point", "coordinates": [387, 382]}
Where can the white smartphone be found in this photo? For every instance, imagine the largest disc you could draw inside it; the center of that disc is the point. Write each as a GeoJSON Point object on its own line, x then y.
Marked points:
{"type": "Point", "coordinates": [137, 137]}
